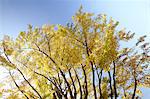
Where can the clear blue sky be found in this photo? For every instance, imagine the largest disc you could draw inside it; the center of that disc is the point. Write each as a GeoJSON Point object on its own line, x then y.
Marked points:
{"type": "Point", "coordinates": [134, 15]}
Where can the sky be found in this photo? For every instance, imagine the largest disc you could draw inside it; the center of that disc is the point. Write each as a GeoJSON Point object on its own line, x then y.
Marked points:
{"type": "Point", "coordinates": [15, 15]}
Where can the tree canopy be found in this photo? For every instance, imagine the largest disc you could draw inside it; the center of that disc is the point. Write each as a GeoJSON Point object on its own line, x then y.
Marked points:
{"type": "Point", "coordinates": [81, 60]}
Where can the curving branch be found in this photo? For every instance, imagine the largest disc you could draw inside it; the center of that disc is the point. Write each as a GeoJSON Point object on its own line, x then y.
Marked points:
{"type": "Point", "coordinates": [23, 76]}
{"type": "Point", "coordinates": [18, 86]}
{"type": "Point", "coordinates": [29, 84]}
{"type": "Point", "coordinates": [135, 81]}
{"type": "Point", "coordinates": [45, 54]}
{"type": "Point", "coordinates": [135, 87]}
{"type": "Point", "coordinates": [60, 91]}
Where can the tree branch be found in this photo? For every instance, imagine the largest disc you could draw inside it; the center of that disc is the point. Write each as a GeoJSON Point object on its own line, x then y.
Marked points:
{"type": "Point", "coordinates": [75, 92]}
{"type": "Point", "coordinates": [67, 83]}
{"type": "Point", "coordinates": [45, 54]}
{"type": "Point", "coordinates": [85, 82]}
{"type": "Point", "coordinates": [135, 87]}
{"type": "Point", "coordinates": [100, 80]}
{"type": "Point", "coordinates": [114, 79]}
{"type": "Point", "coordinates": [111, 95]}
{"type": "Point", "coordinates": [18, 86]}
{"type": "Point", "coordinates": [23, 75]}
{"type": "Point", "coordinates": [78, 83]}
{"type": "Point", "coordinates": [29, 83]}
{"type": "Point", "coordinates": [92, 66]}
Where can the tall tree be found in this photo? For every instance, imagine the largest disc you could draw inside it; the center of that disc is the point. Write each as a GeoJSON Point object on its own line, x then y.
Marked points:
{"type": "Point", "coordinates": [83, 59]}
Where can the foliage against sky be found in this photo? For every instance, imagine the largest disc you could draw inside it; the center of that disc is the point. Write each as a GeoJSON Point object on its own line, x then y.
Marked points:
{"type": "Point", "coordinates": [82, 59]}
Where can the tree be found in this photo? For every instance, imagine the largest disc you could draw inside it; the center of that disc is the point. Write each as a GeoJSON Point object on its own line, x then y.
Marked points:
{"type": "Point", "coordinates": [81, 60]}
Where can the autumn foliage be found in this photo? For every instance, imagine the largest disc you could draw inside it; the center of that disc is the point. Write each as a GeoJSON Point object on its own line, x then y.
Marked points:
{"type": "Point", "coordinates": [82, 60]}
